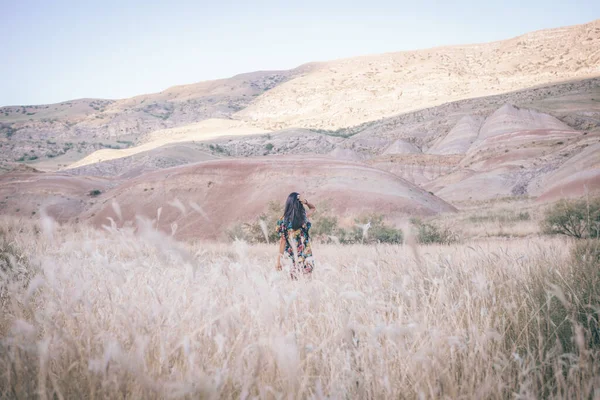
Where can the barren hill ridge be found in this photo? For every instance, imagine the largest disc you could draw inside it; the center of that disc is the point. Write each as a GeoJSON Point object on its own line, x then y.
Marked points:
{"type": "Point", "coordinates": [328, 95]}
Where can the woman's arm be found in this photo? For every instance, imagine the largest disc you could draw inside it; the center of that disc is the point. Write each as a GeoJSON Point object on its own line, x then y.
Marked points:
{"type": "Point", "coordinates": [311, 208]}
{"type": "Point", "coordinates": [281, 249]}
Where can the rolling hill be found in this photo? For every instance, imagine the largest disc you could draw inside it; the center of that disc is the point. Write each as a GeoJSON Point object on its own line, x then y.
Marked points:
{"type": "Point", "coordinates": [410, 133]}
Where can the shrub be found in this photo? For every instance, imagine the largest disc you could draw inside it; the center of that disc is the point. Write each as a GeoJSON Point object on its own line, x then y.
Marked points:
{"type": "Point", "coordinates": [95, 192]}
{"type": "Point", "coordinates": [324, 227]}
{"type": "Point", "coordinates": [8, 130]}
{"type": "Point", "coordinates": [502, 216]}
{"type": "Point", "coordinates": [217, 148]}
{"type": "Point", "coordinates": [586, 252]}
{"type": "Point", "coordinates": [575, 218]}
{"type": "Point", "coordinates": [570, 300]}
{"type": "Point", "coordinates": [260, 230]}
{"type": "Point", "coordinates": [371, 229]}
{"type": "Point", "coordinates": [14, 266]}
{"type": "Point", "coordinates": [269, 146]}
{"type": "Point", "coordinates": [237, 232]}
{"type": "Point", "coordinates": [387, 234]}
{"type": "Point", "coordinates": [428, 232]}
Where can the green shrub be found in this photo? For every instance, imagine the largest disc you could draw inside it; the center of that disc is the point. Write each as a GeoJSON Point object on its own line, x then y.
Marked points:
{"type": "Point", "coordinates": [95, 192]}
{"type": "Point", "coordinates": [323, 224]}
{"type": "Point", "coordinates": [502, 216]}
{"type": "Point", "coordinates": [585, 282]}
{"type": "Point", "coordinates": [428, 232]}
{"type": "Point", "coordinates": [575, 218]}
{"type": "Point", "coordinates": [217, 148]}
{"type": "Point", "coordinates": [324, 227]}
{"type": "Point", "coordinates": [262, 229]}
{"type": "Point", "coordinates": [586, 252]}
{"type": "Point", "coordinates": [371, 229]}
{"type": "Point", "coordinates": [237, 232]}
{"type": "Point", "coordinates": [566, 301]}
{"type": "Point", "coordinates": [269, 146]}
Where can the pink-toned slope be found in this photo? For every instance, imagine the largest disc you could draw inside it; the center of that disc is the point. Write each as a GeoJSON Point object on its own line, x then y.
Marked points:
{"type": "Point", "coordinates": [229, 192]}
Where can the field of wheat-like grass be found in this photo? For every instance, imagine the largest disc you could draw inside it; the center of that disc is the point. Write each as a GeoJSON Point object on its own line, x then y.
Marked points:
{"type": "Point", "coordinates": [122, 314]}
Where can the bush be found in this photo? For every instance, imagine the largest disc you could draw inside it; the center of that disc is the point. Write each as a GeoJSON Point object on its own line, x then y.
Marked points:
{"type": "Point", "coordinates": [371, 229]}
{"type": "Point", "coordinates": [262, 229]}
{"type": "Point", "coordinates": [14, 267]}
{"type": "Point", "coordinates": [570, 300]}
{"type": "Point", "coordinates": [324, 227]}
{"type": "Point", "coordinates": [95, 192]}
{"type": "Point", "coordinates": [217, 148]}
{"type": "Point", "coordinates": [323, 224]}
{"type": "Point", "coordinates": [501, 216]}
{"type": "Point", "coordinates": [575, 218]}
{"type": "Point", "coordinates": [586, 252]}
{"type": "Point", "coordinates": [269, 146]}
{"type": "Point", "coordinates": [428, 232]}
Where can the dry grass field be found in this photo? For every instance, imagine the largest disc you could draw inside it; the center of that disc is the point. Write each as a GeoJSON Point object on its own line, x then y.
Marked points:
{"type": "Point", "coordinates": [121, 314]}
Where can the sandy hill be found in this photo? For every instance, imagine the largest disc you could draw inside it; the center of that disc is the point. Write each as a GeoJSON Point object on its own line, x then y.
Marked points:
{"type": "Point", "coordinates": [460, 138]}
{"type": "Point", "coordinates": [398, 133]}
{"type": "Point", "coordinates": [65, 132]}
{"type": "Point", "coordinates": [205, 198]}
{"type": "Point", "coordinates": [328, 95]}
{"type": "Point", "coordinates": [167, 156]}
{"type": "Point", "coordinates": [401, 147]}
{"type": "Point", "coordinates": [347, 92]}
{"type": "Point", "coordinates": [466, 143]}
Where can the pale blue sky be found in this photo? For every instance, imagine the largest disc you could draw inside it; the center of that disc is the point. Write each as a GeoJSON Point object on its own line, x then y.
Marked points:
{"type": "Point", "coordinates": [59, 50]}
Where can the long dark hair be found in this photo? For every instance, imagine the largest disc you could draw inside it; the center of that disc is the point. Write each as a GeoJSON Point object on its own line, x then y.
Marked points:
{"type": "Point", "coordinates": [294, 211]}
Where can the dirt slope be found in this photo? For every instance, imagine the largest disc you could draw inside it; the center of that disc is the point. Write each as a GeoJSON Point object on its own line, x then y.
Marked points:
{"type": "Point", "coordinates": [348, 92]}
{"type": "Point", "coordinates": [166, 156]}
{"type": "Point", "coordinates": [460, 138]}
{"type": "Point", "coordinates": [64, 197]}
{"type": "Point", "coordinates": [204, 199]}
{"type": "Point", "coordinates": [233, 191]}
{"type": "Point", "coordinates": [578, 176]}
{"type": "Point", "coordinates": [329, 95]}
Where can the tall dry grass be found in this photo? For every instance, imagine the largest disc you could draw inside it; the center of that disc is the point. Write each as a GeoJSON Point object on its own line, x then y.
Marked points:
{"type": "Point", "coordinates": [124, 314]}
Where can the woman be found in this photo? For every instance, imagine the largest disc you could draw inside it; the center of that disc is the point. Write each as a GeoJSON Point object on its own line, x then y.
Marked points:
{"type": "Point", "coordinates": [293, 229]}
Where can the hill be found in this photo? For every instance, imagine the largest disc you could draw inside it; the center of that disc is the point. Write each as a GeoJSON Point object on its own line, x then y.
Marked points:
{"type": "Point", "coordinates": [328, 95]}
{"type": "Point", "coordinates": [204, 199]}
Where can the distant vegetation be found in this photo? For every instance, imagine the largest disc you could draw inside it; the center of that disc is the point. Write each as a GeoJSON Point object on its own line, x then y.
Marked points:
{"type": "Point", "coordinates": [342, 132]}
{"type": "Point", "coordinates": [218, 148]}
{"type": "Point", "coordinates": [368, 229]}
{"type": "Point", "coordinates": [95, 192]}
{"type": "Point", "coordinates": [503, 216]}
{"type": "Point", "coordinates": [429, 232]}
{"type": "Point", "coordinates": [576, 218]}
{"type": "Point", "coordinates": [7, 130]}
{"type": "Point", "coordinates": [162, 111]}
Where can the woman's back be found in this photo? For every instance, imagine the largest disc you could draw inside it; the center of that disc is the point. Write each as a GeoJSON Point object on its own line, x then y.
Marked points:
{"type": "Point", "coordinates": [294, 232]}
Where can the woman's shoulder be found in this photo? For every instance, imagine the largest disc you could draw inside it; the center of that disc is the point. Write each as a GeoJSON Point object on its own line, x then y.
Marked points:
{"type": "Point", "coordinates": [281, 221]}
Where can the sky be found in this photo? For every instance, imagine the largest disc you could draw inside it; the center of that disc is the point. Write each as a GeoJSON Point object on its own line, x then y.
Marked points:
{"type": "Point", "coordinates": [60, 50]}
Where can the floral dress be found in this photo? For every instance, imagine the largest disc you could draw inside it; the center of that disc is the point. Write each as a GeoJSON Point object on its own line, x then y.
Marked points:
{"type": "Point", "coordinates": [297, 239]}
